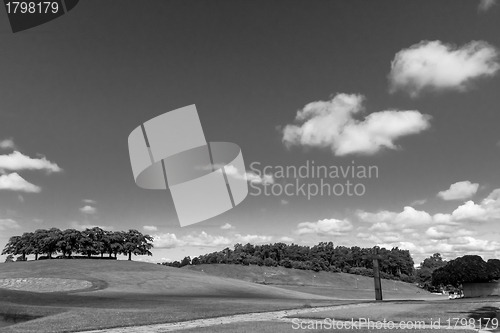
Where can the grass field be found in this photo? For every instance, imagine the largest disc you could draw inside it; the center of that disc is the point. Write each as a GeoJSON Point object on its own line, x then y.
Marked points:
{"type": "Point", "coordinates": [127, 293]}
{"type": "Point", "coordinates": [134, 293]}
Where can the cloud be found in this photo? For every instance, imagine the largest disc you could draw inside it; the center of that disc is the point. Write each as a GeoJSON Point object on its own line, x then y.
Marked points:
{"type": "Point", "coordinates": [82, 226]}
{"type": "Point", "coordinates": [254, 239]}
{"type": "Point", "coordinates": [14, 182]}
{"type": "Point", "coordinates": [386, 220]}
{"type": "Point", "coordinates": [331, 227]}
{"type": "Point", "coordinates": [332, 124]}
{"type": "Point", "coordinates": [8, 224]}
{"type": "Point", "coordinates": [150, 228]}
{"type": "Point", "coordinates": [418, 202]}
{"type": "Point", "coordinates": [252, 177]}
{"type": "Point", "coordinates": [88, 210]}
{"type": "Point", "coordinates": [226, 226]}
{"type": "Point", "coordinates": [484, 5]}
{"type": "Point", "coordinates": [89, 201]}
{"type": "Point", "coordinates": [437, 66]}
{"type": "Point", "coordinates": [7, 144]}
{"type": "Point", "coordinates": [20, 198]}
{"type": "Point", "coordinates": [459, 190]}
{"type": "Point", "coordinates": [166, 241]}
{"type": "Point", "coordinates": [17, 161]}
{"type": "Point", "coordinates": [286, 239]}
{"type": "Point", "coordinates": [488, 209]}
{"type": "Point", "coordinates": [284, 202]}
{"type": "Point", "coordinates": [204, 239]}
{"type": "Point", "coordinates": [447, 232]}
{"type": "Point", "coordinates": [233, 172]}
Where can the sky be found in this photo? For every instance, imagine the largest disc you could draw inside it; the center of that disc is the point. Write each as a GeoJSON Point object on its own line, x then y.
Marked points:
{"type": "Point", "coordinates": [403, 93]}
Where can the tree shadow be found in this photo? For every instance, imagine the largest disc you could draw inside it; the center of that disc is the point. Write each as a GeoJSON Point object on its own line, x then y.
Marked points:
{"type": "Point", "coordinates": [485, 315]}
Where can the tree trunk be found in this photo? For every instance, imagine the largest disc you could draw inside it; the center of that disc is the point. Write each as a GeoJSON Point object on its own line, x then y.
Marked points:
{"type": "Point", "coordinates": [88, 254]}
{"type": "Point", "coordinates": [36, 256]}
{"type": "Point", "coordinates": [102, 254]}
{"type": "Point", "coordinates": [129, 255]}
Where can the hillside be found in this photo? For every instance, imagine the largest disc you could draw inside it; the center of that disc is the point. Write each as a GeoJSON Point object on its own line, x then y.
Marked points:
{"type": "Point", "coordinates": [294, 277]}
{"type": "Point", "coordinates": [137, 277]}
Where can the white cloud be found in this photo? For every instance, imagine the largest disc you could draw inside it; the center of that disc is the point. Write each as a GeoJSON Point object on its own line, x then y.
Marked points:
{"type": "Point", "coordinates": [8, 224]}
{"type": "Point", "coordinates": [204, 239]}
{"type": "Point", "coordinates": [385, 220]}
{"type": "Point", "coordinates": [88, 210]}
{"type": "Point", "coordinates": [438, 66]}
{"type": "Point", "coordinates": [459, 190]}
{"type": "Point", "coordinates": [7, 144]}
{"type": "Point", "coordinates": [226, 226]}
{"type": "Point", "coordinates": [17, 161]}
{"type": "Point", "coordinates": [254, 239]}
{"type": "Point", "coordinates": [332, 124]}
{"type": "Point", "coordinates": [166, 241]}
{"type": "Point", "coordinates": [488, 209]}
{"type": "Point", "coordinates": [484, 5]}
{"type": "Point", "coordinates": [20, 198]}
{"type": "Point", "coordinates": [89, 201]}
{"type": "Point", "coordinates": [331, 227]}
{"type": "Point", "coordinates": [150, 228]}
{"type": "Point", "coordinates": [284, 202]}
{"type": "Point", "coordinates": [286, 239]}
{"type": "Point", "coordinates": [14, 182]}
{"type": "Point", "coordinates": [82, 226]}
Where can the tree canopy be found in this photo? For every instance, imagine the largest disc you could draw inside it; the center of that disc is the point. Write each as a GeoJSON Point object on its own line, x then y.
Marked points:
{"type": "Point", "coordinates": [89, 242]}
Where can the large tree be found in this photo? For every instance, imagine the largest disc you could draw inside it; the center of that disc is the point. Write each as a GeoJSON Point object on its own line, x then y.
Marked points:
{"type": "Point", "coordinates": [469, 268]}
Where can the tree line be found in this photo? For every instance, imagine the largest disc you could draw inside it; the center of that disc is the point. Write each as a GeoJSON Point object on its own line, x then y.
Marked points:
{"type": "Point", "coordinates": [394, 263]}
{"type": "Point", "coordinates": [89, 242]}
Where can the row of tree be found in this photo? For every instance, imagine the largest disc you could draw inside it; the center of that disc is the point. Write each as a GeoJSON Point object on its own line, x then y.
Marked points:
{"type": "Point", "coordinates": [325, 256]}
{"type": "Point", "coordinates": [89, 242]}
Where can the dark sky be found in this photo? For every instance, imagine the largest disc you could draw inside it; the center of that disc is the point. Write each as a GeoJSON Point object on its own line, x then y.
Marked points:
{"type": "Point", "coordinates": [74, 88]}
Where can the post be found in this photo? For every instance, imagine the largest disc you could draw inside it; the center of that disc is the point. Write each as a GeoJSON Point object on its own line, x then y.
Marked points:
{"type": "Point", "coordinates": [376, 279]}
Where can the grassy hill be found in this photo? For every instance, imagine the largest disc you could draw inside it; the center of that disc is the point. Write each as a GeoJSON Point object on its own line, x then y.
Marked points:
{"type": "Point", "coordinates": [350, 284]}
{"type": "Point", "coordinates": [126, 293]}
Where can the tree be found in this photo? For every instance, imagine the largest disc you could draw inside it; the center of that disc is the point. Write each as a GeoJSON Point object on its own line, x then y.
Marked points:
{"type": "Point", "coordinates": [137, 243]}
{"type": "Point", "coordinates": [10, 258]}
{"type": "Point", "coordinates": [469, 268]}
{"type": "Point", "coordinates": [69, 242]}
{"type": "Point", "coordinates": [423, 274]}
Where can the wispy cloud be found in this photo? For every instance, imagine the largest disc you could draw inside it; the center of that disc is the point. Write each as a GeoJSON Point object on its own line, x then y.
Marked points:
{"type": "Point", "coordinates": [14, 182]}
{"type": "Point", "coordinates": [88, 210]}
{"type": "Point", "coordinates": [89, 201]}
{"type": "Point", "coordinates": [150, 228]}
{"type": "Point", "coordinates": [8, 224]}
{"type": "Point", "coordinates": [331, 227]}
{"type": "Point", "coordinates": [438, 66]}
{"type": "Point", "coordinates": [485, 5]}
{"type": "Point", "coordinates": [332, 124]}
{"type": "Point", "coordinates": [17, 161]}
{"type": "Point", "coordinates": [459, 190]}
{"type": "Point", "coordinates": [226, 226]}
{"type": "Point", "coordinates": [86, 225]}
{"type": "Point", "coordinates": [7, 144]}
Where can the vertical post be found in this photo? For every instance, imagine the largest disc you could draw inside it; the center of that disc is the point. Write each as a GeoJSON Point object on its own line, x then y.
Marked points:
{"type": "Point", "coordinates": [376, 278]}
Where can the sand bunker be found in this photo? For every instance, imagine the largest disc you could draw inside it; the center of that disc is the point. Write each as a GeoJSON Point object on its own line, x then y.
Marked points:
{"type": "Point", "coordinates": [44, 285]}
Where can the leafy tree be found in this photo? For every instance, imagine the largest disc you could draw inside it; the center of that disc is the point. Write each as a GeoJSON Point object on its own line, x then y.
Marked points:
{"type": "Point", "coordinates": [69, 242]}
{"type": "Point", "coordinates": [10, 258]}
{"type": "Point", "coordinates": [469, 268]}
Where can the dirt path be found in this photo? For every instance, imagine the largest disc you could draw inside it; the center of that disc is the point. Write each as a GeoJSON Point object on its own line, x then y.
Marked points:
{"type": "Point", "coordinates": [261, 316]}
